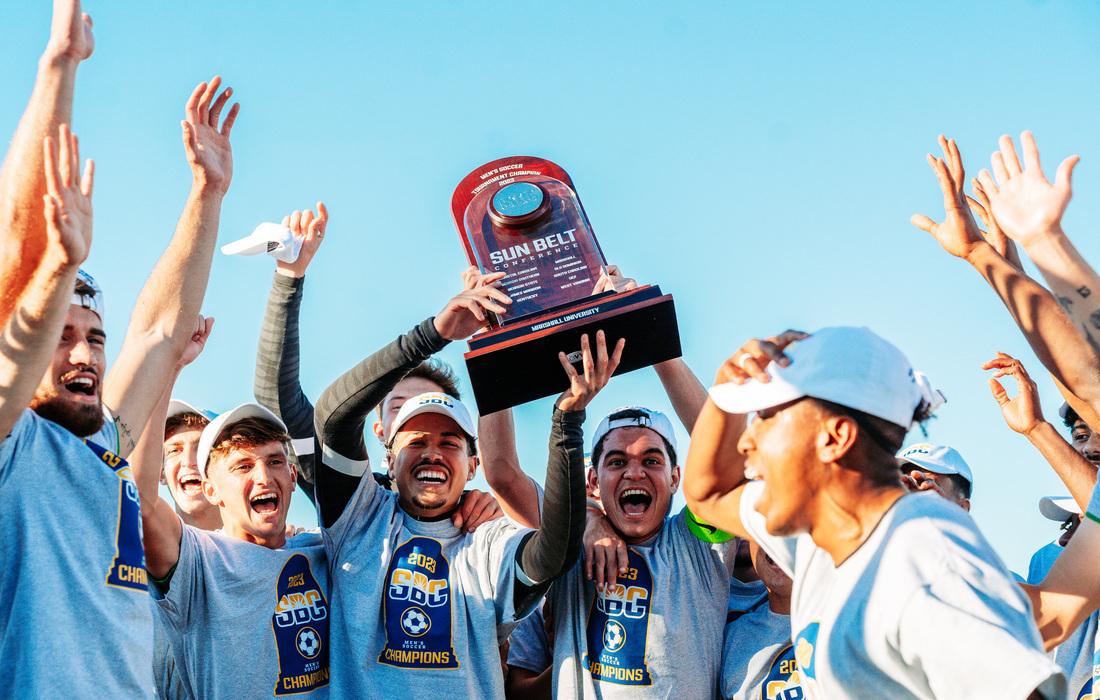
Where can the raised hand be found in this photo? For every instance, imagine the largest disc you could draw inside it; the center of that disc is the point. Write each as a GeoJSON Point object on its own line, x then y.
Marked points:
{"type": "Point", "coordinates": [752, 359]}
{"type": "Point", "coordinates": [208, 150]}
{"type": "Point", "coordinates": [68, 199]}
{"type": "Point", "coordinates": [1022, 412]}
{"type": "Point", "coordinates": [612, 279]}
{"type": "Point", "coordinates": [465, 313]}
{"type": "Point", "coordinates": [70, 32]}
{"type": "Point", "coordinates": [198, 340]}
{"type": "Point", "coordinates": [311, 229]}
{"type": "Point", "coordinates": [958, 234]}
{"type": "Point", "coordinates": [1024, 202]}
{"type": "Point", "coordinates": [583, 387]}
{"type": "Point", "coordinates": [605, 555]}
{"type": "Point", "coordinates": [993, 234]}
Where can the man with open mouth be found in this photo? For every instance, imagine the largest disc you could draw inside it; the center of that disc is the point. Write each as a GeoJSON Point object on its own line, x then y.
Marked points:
{"type": "Point", "coordinates": [76, 617]}
{"type": "Point", "coordinates": [888, 585]}
{"type": "Point", "coordinates": [447, 598]}
{"type": "Point", "coordinates": [273, 586]}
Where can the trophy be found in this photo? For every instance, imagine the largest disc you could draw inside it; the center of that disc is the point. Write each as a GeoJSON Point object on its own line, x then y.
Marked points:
{"type": "Point", "coordinates": [521, 216]}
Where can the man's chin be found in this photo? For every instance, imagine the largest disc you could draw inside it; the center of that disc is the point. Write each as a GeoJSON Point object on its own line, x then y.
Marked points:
{"type": "Point", "coordinates": [81, 420]}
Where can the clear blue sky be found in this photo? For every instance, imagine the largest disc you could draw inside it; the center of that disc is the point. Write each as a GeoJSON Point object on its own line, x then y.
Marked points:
{"type": "Point", "coordinates": [758, 160]}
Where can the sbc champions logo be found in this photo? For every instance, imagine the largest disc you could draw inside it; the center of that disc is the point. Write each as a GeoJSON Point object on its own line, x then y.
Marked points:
{"type": "Point", "coordinates": [128, 566]}
{"type": "Point", "coordinates": [783, 681]}
{"type": "Point", "coordinates": [418, 607]}
{"type": "Point", "coordinates": [300, 625]}
{"type": "Point", "coordinates": [618, 625]}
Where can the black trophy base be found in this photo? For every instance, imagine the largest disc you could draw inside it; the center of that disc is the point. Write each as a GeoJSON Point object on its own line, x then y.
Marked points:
{"type": "Point", "coordinates": [519, 363]}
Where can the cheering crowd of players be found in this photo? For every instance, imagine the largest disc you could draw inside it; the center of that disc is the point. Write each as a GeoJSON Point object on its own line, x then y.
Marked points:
{"type": "Point", "coordinates": [854, 569]}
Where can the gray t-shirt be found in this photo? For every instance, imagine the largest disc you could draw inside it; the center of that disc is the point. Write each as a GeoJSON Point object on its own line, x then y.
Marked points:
{"type": "Point", "coordinates": [902, 615]}
{"type": "Point", "coordinates": [1092, 513]}
{"type": "Point", "coordinates": [423, 606]}
{"type": "Point", "coordinates": [758, 657]}
{"type": "Point", "coordinates": [245, 621]}
{"type": "Point", "coordinates": [1075, 655]}
{"type": "Point", "coordinates": [168, 684]}
{"type": "Point", "coordinates": [74, 603]}
{"type": "Point", "coordinates": [656, 634]}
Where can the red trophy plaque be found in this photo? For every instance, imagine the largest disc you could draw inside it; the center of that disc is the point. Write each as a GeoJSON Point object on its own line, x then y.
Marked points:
{"type": "Point", "coordinates": [521, 215]}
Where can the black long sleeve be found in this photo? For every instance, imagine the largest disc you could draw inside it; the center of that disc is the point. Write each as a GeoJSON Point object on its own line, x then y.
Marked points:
{"type": "Point", "coordinates": [342, 410]}
{"type": "Point", "coordinates": [277, 383]}
{"type": "Point", "coordinates": [553, 549]}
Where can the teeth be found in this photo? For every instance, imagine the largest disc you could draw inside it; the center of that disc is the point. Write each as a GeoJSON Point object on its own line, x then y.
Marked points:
{"type": "Point", "coordinates": [635, 492]}
{"type": "Point", "coordinates": [83, 381]}
{"type": "Point", "coordinates": [432, 475]}
{"type": "Point", "coordinates": [751, 474]}
{"type": "Point", "coordinates": [264, 498]}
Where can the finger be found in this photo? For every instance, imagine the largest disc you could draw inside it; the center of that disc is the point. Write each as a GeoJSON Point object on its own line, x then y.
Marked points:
{"type": "Point", "coordinates": [753, 369]}
{"type": "Point", "coordinates": [307, 219]}
{"type": "Point", "coordinates": [322, 213]}
{"type": "Point", "coordinates": [995, 362]}
{"type": "Point", "coordinates": [209, 326]}
{"type": "Point", "coordinates": [772, 352]}
{"type": "Point", "coordinates": [219, 104]}
{"type": "Point", "coordinates": [601, 352]}
{"type": "Point", "coordinates": [999, 393]}
{"type": "Point", "coordinates": [589, 555]}
{"type": "Point", "coordinates": [88, 181]}
{"type": "Point", "coordinates": [296, 222]}
{"type": "Point", "coordinates": [923, 223]}
{"type": "Point", "coordinates": [979, 190]}
{"type": "Point", "coordinates": [230, 120]}
{"type": "Point", "coordinates": [457, 520]}
{"type": "Point", "coordinates": [490, 305]}
{"type": "Point", "coordinates": [957, 171]}
{"type": "Point", "coordinates": [978, 209]}
{"type": "Point", "coordinates": [600, 567]}
{"type": "Point", "coordinates": [999, 170]}
{"type": "Point", "coordinates": [189, 139]}
{"type": "Point", "coordinates": [496, 294]}
{"type": "Point", "coordinates": [611, 564]}
{"type": "Point", "coordinates": [1031, 152]}
{"type": "Point", "coordinates": [49, 157]}
{"type": "Point", "coordinates": [51, 210]}
{"type": "Point", "coordinates": [74, 159]}
{"type": "Point", "coordinates": [492, 277]}
{"type": "Point", "coordinates": [1008, 154]}
{"type": "Point", "coordinates": [475, 309]}
{"type": "Point", "coordinates": [586, 360]}
{"type": "Point", "coordinates": [191, 110]}
{"type": "Point", "coordinates": [730, 371]}
{"type": "Point", "coordinates": [989, 187]}
{"type": "Point", "coordinates": [616, 357]}
{"type": "Point", "coordinates": [203, 106]}
{"type": "Point", "coordinates": [624, 558]}
{"type": "Point", "coordinates": [601, 284]}
{"type": "Point", "coordinates": [1063, 178]}
{"type": "Point", "coordinates": [570, 371]}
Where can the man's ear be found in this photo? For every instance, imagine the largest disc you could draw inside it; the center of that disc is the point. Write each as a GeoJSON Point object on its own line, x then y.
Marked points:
{"type": "Point", "coordinates": [593, 480]}
{"type": "Point", "coordinates": [474, 462]}
{"type": "Point", "coordinates": [211, 493]}
{"type": "Point", "coordinates": [376, 428]}
{"type": "Point", "coordinates": [163, 477]}
{"type": "Point", "coordinates": [293, 476]}
{"type": "Point", "coordinates": [389, 464]}
{"type": "Point", "coordinates": [675, 477]}
{"type": "Point", "coordinates": [836, 437]}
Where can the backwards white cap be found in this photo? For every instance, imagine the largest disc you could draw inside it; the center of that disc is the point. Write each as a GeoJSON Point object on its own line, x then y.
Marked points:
{"type": "Point", "coordinates": [214, 428]}
{"type": "Point", "coordinates": [1058, 508]}
{"type": "Point", "coordinates": [654, 420]}
{"type": "Point", "coordinates": [276, 240]}
{"type": "Point", "coordinates": [938, 459]}
{"type": "Point", "coordinates": [92, 301]}
{"type": "Point", "coordinates": [849, 366]}
{"type": "Point", "coordinates": [177, 407]}
{"type": "Point", "coordinates": [434, 402]}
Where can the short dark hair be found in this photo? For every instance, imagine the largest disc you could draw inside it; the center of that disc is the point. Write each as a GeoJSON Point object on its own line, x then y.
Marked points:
{"type": "Point", "coordinates": [1071, 417]}
{"type": "Point", "coordinates": [439, 373]}
{"type": "Point", "coordinates": [877, 442]}
{"type": "Point", "coordinates": [184, 421]}
{"type": "Point", "coordinates": [627, 414]}
{"type": "Point", "coordinates": [960, 484]}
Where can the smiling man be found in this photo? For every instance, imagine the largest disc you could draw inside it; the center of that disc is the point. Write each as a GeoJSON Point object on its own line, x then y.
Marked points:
{"type": "Point", "coordinates": [657, 631]}
{"type": "Point", "coordinates": [888, 585]}
{"type": "Point", "coordinates": [182, 432]}
{"type": "Point", "coordinates": [274, 587]}
{"type": "Point", "coordinates": [448, 598]}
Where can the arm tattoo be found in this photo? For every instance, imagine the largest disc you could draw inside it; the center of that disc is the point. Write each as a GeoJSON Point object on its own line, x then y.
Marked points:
{"type": "Point", "coordinates": [1094, 318]}
{"type": "Point", "coordinates": [1065, 302]}
{"type": "Point", "coordinates": [125, 437]}
{"type": "Point", "coordinates": [1084, 291]}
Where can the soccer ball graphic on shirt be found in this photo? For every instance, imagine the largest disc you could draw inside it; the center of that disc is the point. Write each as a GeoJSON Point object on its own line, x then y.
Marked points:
{"type": "Point", "coordinates": [415, 622]}
{"type": "Point", "coordinates": [308, 642]}
{"type": "Point", "coordinates": [614, 635]}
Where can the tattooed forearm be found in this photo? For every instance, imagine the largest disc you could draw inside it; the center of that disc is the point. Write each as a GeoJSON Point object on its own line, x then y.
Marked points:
{"type": "Point", "coordinates": [126, 441]}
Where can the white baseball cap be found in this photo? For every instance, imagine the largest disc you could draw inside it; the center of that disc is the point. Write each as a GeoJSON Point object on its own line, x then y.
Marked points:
{"type": "Point", "coordinates": [93, 301]}
{"type": "Point", "coordinates": [276, 240]}
{"type": "Point", "coordinates": [176, 407]}
{"type": "Point", "coordinates": [938, 459]}
{"type": "Point", "coordinates": [1058, 508]}
{"type": "Point", "coordinates": [214, 428]}
{"type": "Point", "coordinates": [649, 418]}
{"type": "Point", "coordinates": [849, 366]}
{"type": "Point", "coordinates": [434, 402]}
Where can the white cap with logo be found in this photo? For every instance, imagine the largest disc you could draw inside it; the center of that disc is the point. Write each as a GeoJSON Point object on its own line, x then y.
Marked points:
{"type": "Point", "coordinates": [1058, 508]}
{"type": "Point", "coordinates": [276, 240]}
{"type": "Point", "coordinates": [434, 402]}
{"type": "Point", "coordinates": [849, 366]}
{"type": "Point", "coordinates": [643, 418]}
{"type": "Point", "coordinates": [214, 429]}
{"type": "Point", "coordinates": [91, 294]}
{"type": "Point", "coordinates": [938, 459]}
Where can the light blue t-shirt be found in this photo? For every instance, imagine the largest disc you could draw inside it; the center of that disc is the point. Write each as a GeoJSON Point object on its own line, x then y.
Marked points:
{"type": "Point", "coordinates": [758, 657]}
{"type": "Point", "coordinates": [421, 607]}
{"type": "Point", "coordinates": [529, 647]}
{"type": "Point", "coordinates": [1075, 655]}
{"type": "Point", "coordinates": [656, 634]}
{"type": "Point", "coordinates": [75, 620]}
{"type": "Point", "coordinates": [246, 621]}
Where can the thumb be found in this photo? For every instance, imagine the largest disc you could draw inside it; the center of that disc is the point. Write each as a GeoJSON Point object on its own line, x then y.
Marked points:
{"type": "Point", "coordinates": [999, 393]}
{"type": "Point", "coordinates": [923, 223]}
{"type": "Point", "coordinates": [1065, 172]}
